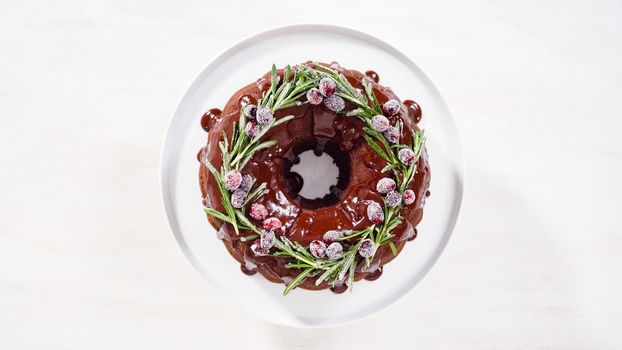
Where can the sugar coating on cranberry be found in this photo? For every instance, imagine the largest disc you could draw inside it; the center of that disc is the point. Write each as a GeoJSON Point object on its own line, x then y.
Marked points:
{"type": "Point", "coordinates": [327, 86]}
{"type": "Point", "coordinates": [250, 111]}
{"type": "Point", "coordinates": [318, 249]}
{"type": "Point", "coordinates": [334, 251]}
{"type": "Point", "coordinates": [385, 185]}
{"type": "Point", "coordinates": [258, 211]}
{"type": "Point", "coordinates": [247, 182]}
{"type": "Point", "coordinates": [334, 103]}
{"type": "Point", "coordinates": [314, 96]}
{"type": "Point", "coordinates": [392, 134]}
{"type": "Point", "coordinates": [264, 116]}
{"type": "Point", "coordinates": [409, 197]}
{"type": "Point", "coordinates": [393, 199]}
{"type": "Point", "coordinates": [258, 250]}
{"type": "Point", "coordinates": [267, 239]}
{"type": "Point", "coordinates": [406, 156]}
{"type": "Point", "coordinates": [391, 107]}
{"type": "Point", "coordinates": [232, 180]}
{"type": "Point", "coordinates": [331, 235]}
{"type": "Point", "coordinates": [380, 123]}
{"type": "Point", "coordinates": [252, 128]}
{"type": "Point", "coordinates": [271, 224]}
{"type": "Point", "coordinates": [374, 212]}
{"type": "Point", "coordinates": [367, 248]}
{"type": "Point", "coordinates": [237, 198]}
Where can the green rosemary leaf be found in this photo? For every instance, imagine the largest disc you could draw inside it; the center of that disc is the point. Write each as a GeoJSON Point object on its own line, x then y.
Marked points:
{"type": "Point", "coordinates": [376, 148]}
{"type": "Point", "coordinates": [274, 80]}
{"type": "Point", "coordinates": [257, 192]}
{"type": "Point", "coordinates": [249, 237]}
{"type": "Point", "coordinates": [245, 221]}
{"type": "Point", "coordinates": [389, 167]}
{"type": "Point", "coordinates": [283, 120]}
{"type": "Point", "coordinates": [369, 90]}
{"type": "Point", "coordinates": [217, 214]}
{"type": "Point", "coordinates": [327, 274]}
{"type": "Point", "coordinates": [350, 280]}
{"type": "Point", "coordinates": [393, 248]}
{"type": "Point", "coordinates": [297, 280]}
{"type": "Point", "coordinates": [288, 69]}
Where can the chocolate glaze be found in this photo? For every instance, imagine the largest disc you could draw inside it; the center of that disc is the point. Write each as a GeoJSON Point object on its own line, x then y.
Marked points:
{"type": "Point", "coordinates": [317, 128]}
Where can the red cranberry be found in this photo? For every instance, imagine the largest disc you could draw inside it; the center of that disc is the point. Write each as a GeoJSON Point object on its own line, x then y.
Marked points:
{"type": "Point", "coordinates": [318, 249]}
{"type": "Point", "coordinates": [272, 224]}
{"type": "Point", "coordinates": [232, 180]}
{"type": "Point", "coordinates": [237, 198]}
{"type": "Point", "coordinates": [267, 239]}
{"type": "Point", "coordinates": [392, 134]}
{"type": "Point", "coordinates": [367, 248]}
{"type": "Point", "coordinates": [250, 111]}
{"type": "Point", "coordinates": [258, 250]}
{"type": "Point", "coordinates": [334, 103]}
{"type": "Point", "coordinates": [314, 96]}
{"type": "Point", "coordinates": [264, 116]}
{"type": "Point", "coordinates": [385, 185]}
{"type": "Point", "coordinates": [247, 183]}
{"type": "Point", "coordinates": [391, 107]}
{"type": "Point", "coordinates": [380, 123]}
{"type": "Point", "coordinates": [258, 211]}
{"type": "Point", "coordinates": [334, 251]}
{"type": "Point", "coordinates": [375, 212]}
{"type": "Point", "coordinates": [327, 86]}
{"type": "Point", "coordinates": [331, 235]}
{"type": "Point", "coordinates": [406, 156]}
{"type": "Point", "coordinates": [393, 199]}
{"type": "Point", "coordinates": [409, 197]}
{"type": "Point", "coordinates": [252, 128]}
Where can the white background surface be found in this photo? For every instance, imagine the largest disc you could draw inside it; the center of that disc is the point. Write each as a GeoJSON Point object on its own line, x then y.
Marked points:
{"type": "Point", "coordinates": [87, 260]}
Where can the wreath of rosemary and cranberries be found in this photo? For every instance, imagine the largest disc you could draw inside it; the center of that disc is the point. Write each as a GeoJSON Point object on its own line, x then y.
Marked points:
{"type": "Point", "coordinates": [334, 258]}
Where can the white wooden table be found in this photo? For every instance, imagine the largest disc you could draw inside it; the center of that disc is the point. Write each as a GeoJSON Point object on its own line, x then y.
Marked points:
{"type": "Point", "coordinates": [88, 262]}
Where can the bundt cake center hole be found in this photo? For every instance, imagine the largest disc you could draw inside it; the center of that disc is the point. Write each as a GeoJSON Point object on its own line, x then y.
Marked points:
{"type": "Point", "coordinates": [316, 173]}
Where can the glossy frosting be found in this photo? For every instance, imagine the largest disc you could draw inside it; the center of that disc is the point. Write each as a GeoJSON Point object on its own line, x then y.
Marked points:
{"type": "Point", "coordinates": [314, 127]}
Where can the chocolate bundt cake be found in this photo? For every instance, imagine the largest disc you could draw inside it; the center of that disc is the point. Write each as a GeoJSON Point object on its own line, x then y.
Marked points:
{"type": "Point", "coordinates": [252, 195]}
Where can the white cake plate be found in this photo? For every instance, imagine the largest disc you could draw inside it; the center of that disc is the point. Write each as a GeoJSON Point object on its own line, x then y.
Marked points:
{"type": "Point", "coordinates": [243, 63]}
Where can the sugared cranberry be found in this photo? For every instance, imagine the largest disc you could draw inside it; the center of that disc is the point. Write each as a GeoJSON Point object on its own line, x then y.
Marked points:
{"type": "Point", "coordinates": [334, 103]}
{"type": "Point", "coordinates": [258, 211]}
{"type": "Point", "coordinates": [247, 182]}
{"type": "Point", "coordinates": [266, 241]}
{"type": "Point", "coordinates": [380, 123]}
{"type": "Point", "coordinates": [232, 180]}
{"type": "Point", "coordinates": [367, 248]}
{"type": "Point", "coordinates": [406, 156]}
{"type": "Point", "coordinates": [264, 116]}
{"type": "Point", "coordinates": [314, 96]}
{"type": "Point", "coordinates": [409, 197]}
{"type": "Point", "coordinates": [393, 199]}
{"type": "Point", "coordinates": [258, 250]}
{"type": "Point", "coordinates": [318, 249]}
{"type": "Point", "coordinates": [375, 213]}
{"type": "Point", "coordinates": [271, 224]}
{"type": "Point", "coordinates": [392, 134]}
{"type": "Point", "coordinates": [327, 86]}
{"type": "Point", "coordinates": [385, 185]}
{"type": "Point", "coordinates": [250, 111]}
{"type": "Point", "coordinates": [252, 128]}
{"type": "Point", "coordinates": [334, 251]}
{"type": "Point", "coordinates": [331, 235]}
{"type": "Point", "coordinates": [391, 107]}
{"type": "Point", "coordinates": [237, 198]}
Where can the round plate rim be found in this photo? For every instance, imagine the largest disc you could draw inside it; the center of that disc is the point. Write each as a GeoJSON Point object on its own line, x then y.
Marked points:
{"type": "Point", "coordinates": [275, 31]}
